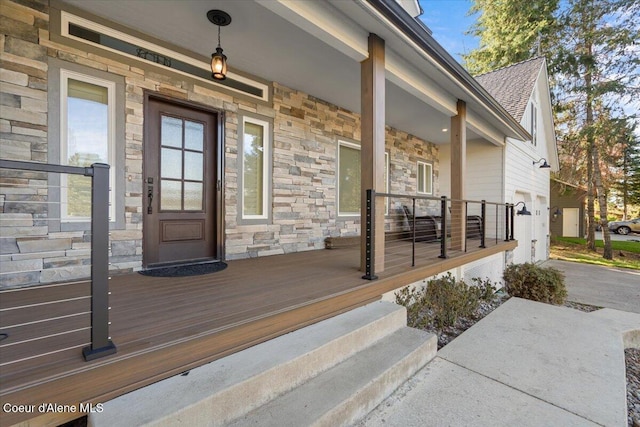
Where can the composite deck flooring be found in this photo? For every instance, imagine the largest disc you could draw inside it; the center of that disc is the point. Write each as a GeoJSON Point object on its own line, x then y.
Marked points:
{"type": "Point", "coordinates": [165, 326]}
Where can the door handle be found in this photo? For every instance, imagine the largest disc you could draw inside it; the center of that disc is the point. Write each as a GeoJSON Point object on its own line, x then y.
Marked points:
{"type": "Point", "coordinates": [149, 198]}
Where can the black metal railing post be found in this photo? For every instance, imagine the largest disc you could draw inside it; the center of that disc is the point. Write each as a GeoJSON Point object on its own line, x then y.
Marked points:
{"type": "Point", "coordinates": [497, 216]}
{"type": "Point", "coordinates": [443, 227]}
{"type": "Point", "coordinates": [512, 221]}
{"type": "Point", "coordinates": [506, 222]}
{"type": "Point", "coordinates": [466, 224]}
{"type": "Point", "coordinates": [483, 223]}
{"type": "Point", "coordinates": [413, 235]}
{"type": "Point", "coordinates": [101, 344]}
{"type": "Point", "coordinates": [369, 228]}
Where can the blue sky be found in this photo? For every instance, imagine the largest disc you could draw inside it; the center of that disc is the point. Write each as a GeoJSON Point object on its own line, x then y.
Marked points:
{"type": "Point", "coordinates": [448, 20]}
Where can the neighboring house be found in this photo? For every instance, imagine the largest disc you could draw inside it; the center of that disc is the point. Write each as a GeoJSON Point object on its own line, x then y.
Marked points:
{"type": "Point", "coordinates": [567, 211]}
{"type": "Point", "coordinates": [523, 89]}
{"type": "Point", "coordinates": [322, 101]}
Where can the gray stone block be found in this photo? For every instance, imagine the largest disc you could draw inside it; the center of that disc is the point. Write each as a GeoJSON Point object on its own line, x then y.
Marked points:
{"type": "Point", "coordinates": [123, 248]}
{"type": "Point", "coordinates": [8, 245]}
{"type": "Point", "coordinates": [14, 280]}
{"type": "Point", "coordinates": [28, 265]}
{"type": "Point", "coordinates": [40, 245]}
{"type": "Point", "coordinates": [65, 273]}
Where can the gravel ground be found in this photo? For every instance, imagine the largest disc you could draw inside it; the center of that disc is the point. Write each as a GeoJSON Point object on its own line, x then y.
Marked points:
{"type": "Point", "coordinates": [632, 356]}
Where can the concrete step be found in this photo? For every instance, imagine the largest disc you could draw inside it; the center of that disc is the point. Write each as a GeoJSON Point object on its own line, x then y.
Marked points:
{"type": "Point", "coordinates": [347, 392]}
{"type": "Point", "coordinates": [221, 391]}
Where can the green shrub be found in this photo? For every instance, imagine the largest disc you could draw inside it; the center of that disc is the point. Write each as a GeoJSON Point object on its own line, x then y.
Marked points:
{"type": "Point", "coordinates": [530, 281]}
{"type": "Point", "coordinates": [443, 301]}
{"type": "Point", "coordinates": [449, 299]}
{"type": "Point", "coordinates": [486, 289]}
{"type": "Point", "coordinates": [417, 307]}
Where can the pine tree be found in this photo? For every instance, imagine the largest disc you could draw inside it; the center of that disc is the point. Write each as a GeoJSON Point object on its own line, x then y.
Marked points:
{"type": "Point", "coordinates": [510, 32]}
{"type": "Point", "coordinates": [596, 70]}
{"type": "Point", "coordinates": [628, 184]}
{"type": "Point", "coordinates": [594, 66]}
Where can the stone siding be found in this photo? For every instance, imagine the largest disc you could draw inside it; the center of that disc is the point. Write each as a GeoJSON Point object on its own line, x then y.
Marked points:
{"type": "Point", "coordinates": [306, 131]}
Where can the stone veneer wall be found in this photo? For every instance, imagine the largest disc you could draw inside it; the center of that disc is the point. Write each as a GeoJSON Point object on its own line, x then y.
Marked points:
{"type": "Point", "coordinates": [305, 143]}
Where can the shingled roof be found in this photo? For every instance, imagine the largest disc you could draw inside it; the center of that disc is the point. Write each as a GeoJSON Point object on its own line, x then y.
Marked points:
{"type": "Point", "coordinates": [512, 86]}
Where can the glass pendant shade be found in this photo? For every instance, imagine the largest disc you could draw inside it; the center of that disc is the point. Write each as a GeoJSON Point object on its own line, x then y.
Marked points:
{"type": "Point", "coordinates": [218, 65]}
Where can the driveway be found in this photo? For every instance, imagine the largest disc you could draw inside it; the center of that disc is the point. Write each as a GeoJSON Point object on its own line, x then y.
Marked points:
{"type": "Point", "coordinates": [608, 287]}
{"type": "Point", "coordinates": [629, 237]}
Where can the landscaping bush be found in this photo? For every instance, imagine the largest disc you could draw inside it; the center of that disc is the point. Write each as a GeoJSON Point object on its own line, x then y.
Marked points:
{"type": "Point", "coordinates": [444, 300]}
{"type": "Point", "coordinates": [415, 302]}
{"type": "Point", "coordinates": [530, 281]}
{"type": "Point", "coordinates": [450, 299]}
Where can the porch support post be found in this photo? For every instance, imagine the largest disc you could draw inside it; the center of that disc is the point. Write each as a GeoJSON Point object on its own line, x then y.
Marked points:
{"type": "Point", "coordinates": [372, 143]}
{"type": "Point", "coordinates": [458, 170]}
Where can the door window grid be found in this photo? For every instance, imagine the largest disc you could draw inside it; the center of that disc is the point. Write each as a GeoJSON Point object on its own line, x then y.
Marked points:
{"type": "Point", "coordinates": [181, 165]}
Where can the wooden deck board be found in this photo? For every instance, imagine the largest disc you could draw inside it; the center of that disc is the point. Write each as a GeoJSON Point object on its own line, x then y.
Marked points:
{"type": "Point", "coordinates": [164, 326]}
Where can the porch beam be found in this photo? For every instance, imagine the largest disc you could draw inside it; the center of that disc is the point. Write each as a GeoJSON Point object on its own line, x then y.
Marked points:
{"type": "Point", "coordinates": [372, 143]}
{"type": "Point", "coordinates": [458, 170]}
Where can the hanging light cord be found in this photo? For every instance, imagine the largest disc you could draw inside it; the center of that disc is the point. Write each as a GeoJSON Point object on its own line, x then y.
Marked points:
{"type": "Point", "coordinates": [218, 35]}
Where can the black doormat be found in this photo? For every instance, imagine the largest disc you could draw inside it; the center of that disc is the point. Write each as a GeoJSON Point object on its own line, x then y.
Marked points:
{"type": "Point", "coordinates": [185, 270]}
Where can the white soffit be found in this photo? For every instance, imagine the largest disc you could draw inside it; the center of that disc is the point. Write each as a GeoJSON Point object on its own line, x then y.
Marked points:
{"type": "Point", "coordinates": [417, 84]}
{"type": "Point", "coordinates": [336, 30]}
{"type": "Point", "coordinates": [482, 128]}
{"type": "Point", "coordinates": [324, 23]}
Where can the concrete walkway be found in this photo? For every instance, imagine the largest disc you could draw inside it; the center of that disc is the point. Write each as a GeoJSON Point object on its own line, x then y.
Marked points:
{"type": "Point", "coordinates": [526, 364]}
{"type": "Point", "coordinates": [615, 288]}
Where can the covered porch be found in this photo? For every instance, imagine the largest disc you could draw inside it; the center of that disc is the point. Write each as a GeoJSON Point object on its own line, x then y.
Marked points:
{"type": "Point", "coordinates": [352, 96]}
{"type": "Point", "coordinates": [166, 326]}
{"type": "Point", "coordinates": [359, 75]}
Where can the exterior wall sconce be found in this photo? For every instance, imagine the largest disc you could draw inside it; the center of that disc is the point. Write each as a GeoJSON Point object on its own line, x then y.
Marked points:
{"type": "Point", "coordinates": [544, 165]}
{"type": "Point", "coordinates": [556, 213]}
{"type": "Point", "coordinates": [522, 211]}
{"type": "Point", "coordinates": [218, 59]}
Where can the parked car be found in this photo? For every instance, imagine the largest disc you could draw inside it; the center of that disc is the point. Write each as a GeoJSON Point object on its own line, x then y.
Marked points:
{"type": "Point", "coordinates": [625, 227]}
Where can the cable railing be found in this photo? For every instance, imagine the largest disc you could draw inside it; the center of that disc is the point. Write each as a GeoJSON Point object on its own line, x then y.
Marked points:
{"type": "Point", "coordinates": [38, 254]}
{"type": "Point", "coordinates": [419, 229]}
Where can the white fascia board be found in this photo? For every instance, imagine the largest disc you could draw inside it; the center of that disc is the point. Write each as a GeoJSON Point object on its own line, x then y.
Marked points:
{"type": "Point", "coordinates": [481, 127]}
{"type": "Point", "coordinates": [324, 23]}
{"type": "Point", "coordinates": [411, 6]}
{"type": "Point", "coordinates": [548, 120]}
{"type": "Point", "coordinates": [418, 85]}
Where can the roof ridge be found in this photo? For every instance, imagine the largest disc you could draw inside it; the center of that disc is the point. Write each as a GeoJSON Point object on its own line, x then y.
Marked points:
{"type": "Point", "coordinates": [512, 65]}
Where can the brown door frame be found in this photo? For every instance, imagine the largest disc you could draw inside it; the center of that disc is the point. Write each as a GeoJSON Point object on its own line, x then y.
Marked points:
{"type": "Point", "coordinates": [219, 186]}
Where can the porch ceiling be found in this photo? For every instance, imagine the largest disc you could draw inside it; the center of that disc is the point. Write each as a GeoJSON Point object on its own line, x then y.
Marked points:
{"type": "Point", "coordinates": [261, 42]}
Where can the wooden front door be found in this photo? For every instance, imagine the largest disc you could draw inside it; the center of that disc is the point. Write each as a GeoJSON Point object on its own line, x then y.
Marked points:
{"type": "Point", "coordinates": [180, 184]}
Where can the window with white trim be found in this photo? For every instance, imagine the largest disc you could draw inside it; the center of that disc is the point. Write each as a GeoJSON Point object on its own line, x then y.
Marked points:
{"type": "Point", "coordinates": [425, 178]}
{"type": "Point", "coordinates": [255, 154]}
{"type": "Point", "coordinates": [349, 187]}
{"type": "Point", "coordinates": [87, 135]}
{"type": "Point", "coordinates": [349, 182]}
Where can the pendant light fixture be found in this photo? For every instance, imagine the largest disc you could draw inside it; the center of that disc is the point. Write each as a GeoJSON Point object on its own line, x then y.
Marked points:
{"type": "Point", "coordinates": [544, 165]}
{"type": "Point", "coordinates": [522, 211]}
{"type": "Point", "coordinates": [219, 59]}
